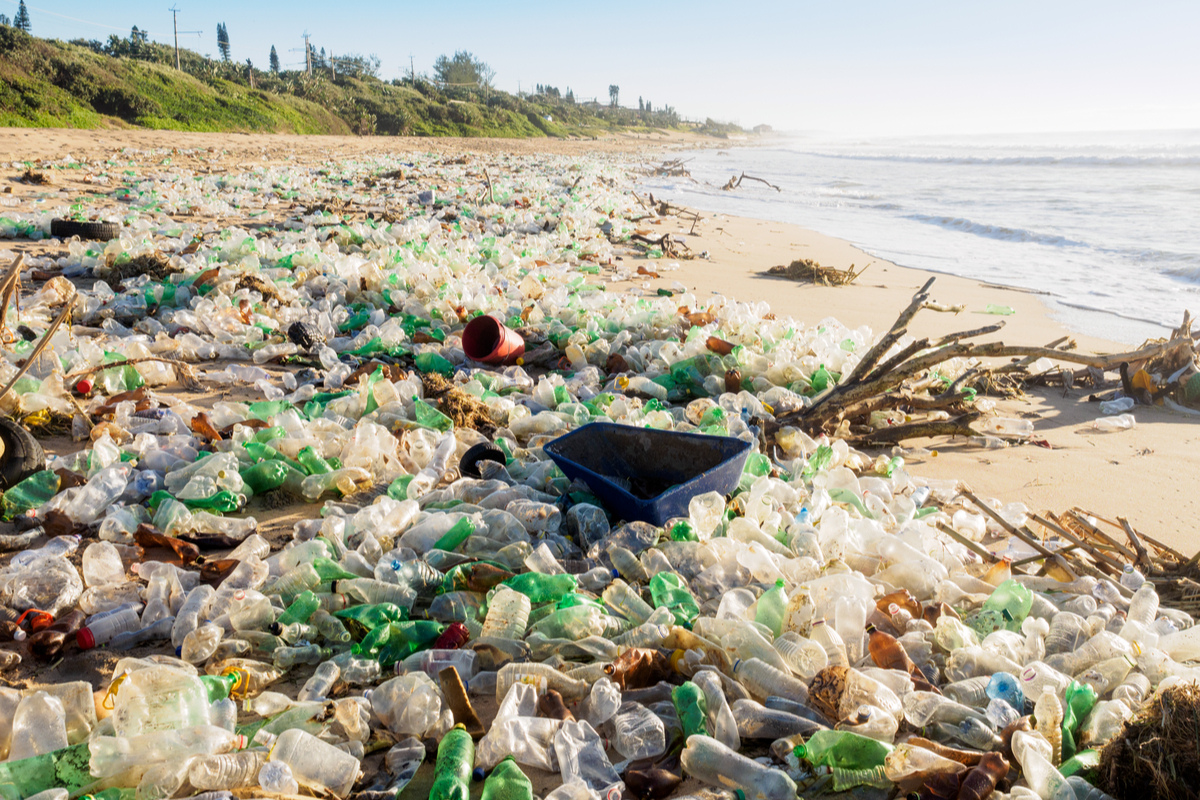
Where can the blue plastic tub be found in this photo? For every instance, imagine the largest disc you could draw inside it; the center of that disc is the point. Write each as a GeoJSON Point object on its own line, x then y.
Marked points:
{"type": "Point", "coordinates": [647, 474]}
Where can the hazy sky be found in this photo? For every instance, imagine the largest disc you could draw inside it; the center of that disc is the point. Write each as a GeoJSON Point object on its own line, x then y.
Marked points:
{"type": "Point", "coordinates": [871, 67]}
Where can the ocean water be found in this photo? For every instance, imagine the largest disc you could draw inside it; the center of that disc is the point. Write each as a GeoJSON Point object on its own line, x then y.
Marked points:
{"type": "Point", "coordinates": [1106, 224]}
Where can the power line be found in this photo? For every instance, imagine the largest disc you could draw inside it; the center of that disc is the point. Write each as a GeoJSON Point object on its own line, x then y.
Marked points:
{"type": "Point", "coordinates": [72, 19]}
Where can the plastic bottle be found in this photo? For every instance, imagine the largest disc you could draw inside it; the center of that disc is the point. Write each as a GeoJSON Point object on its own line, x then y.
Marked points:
{"type": "Point", "coordinates": [844, 750]}
{"type": "Point", "coordinates": [981, 781]}
{"type": "Point", "coordinates": [721, 722]}
{"type": "Point", "coordinates": [1048, 714]}
{"type": "Point", "coordinates": [319, 685]}
{"type": "Point", "coordinates": [835, 648]}
{"type": "Point", "coordinates": [763, 681]}
{"type": "Point", "coordinates": [638, 733]}
{"type": "Point", "coordinates": [158, 698]}
{"type": "Point", "coordinates": [805, 657]}
{"type": "Point", "coordinates": [771, 607]}
{"type": "Point", "coordinates": [276, 776]}
{"type": "Point", "coordinates": [691, 705]}
{"type": "Point", "coordinates": [226, 771]}
{"type": "Point", "coordinates": [102, 565]}
{"type": "Point", "coordinates": [627, 602]}
{"type": "Point", "coordinates": [507, 782]}
{"type": "Point", "coordinates": [508, 615]}
{"type": "Point", "coordinates": [452, 773]}
{"type": "Point", "coordinates": [711, 762]}
{"type": "Point", "coordinates": [103, 630]}
{"type": "Point", "coordinates": [314, 763]}
{"type": "Point", "coordinates": [39, 726]}
{"type": "Point", "coordinates": [1121, 422]}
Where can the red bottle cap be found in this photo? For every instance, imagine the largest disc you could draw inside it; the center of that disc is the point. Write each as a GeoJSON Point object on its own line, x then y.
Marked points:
{"type": "Point", "coordinates": [84, 638]}
{"type": "Point", "coordinates": [84, 385]}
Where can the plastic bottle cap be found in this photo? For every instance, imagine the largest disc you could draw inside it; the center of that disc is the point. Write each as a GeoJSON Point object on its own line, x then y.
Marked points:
{"type": "Point", "coordinates": [477, 774]}
{"type": "Point", "coordinates": [85, 639]}
{"type": "Point", "coordinates": [84, 385]}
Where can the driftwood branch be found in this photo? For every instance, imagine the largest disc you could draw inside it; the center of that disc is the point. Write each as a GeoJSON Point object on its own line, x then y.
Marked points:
{"type": "Point", "coordinates": [920, 430]}
{"type": "Point", "coordinates": [736, 181]}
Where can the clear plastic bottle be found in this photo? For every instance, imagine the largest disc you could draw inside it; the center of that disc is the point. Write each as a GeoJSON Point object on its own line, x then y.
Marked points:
{"type": "Point", "coordinates": [831, 642]}
{"type": "Point", "coordinates": [620, 597]}
{"type": "Point", "coordinates": [805, 657]}
{"type": "Point", "coordinates": [1048, 714]}
{"type": "Point", "coordinates": [188, 617]}
{"type": "Point", "coordinates": [39, 726]}
{"type": "Point", "coordinates": [276, 776]}
{"type": "Point", "coordinates": [288, 657]}
{"type": "Point", "coordinates": [319, 685]}
{"type": "Point", "coordinates": [102, 565]}
{"type": "Point", "coordinates": [508, 615]}
{"type": "Point", "coordinates": [638, 733]}
{"type": "Point", "coordinates": [711, 762]}
{"type": "Point", "coordinates": [764, 680]}
{"type": "Point", "coordinates": [199, 645]}
{"type": "Point", "coordinates": [314, 763]}
{"type": "Point", "coordinates": [721, 722]}
{"type": "Point", "coordinates": [105, 628]}
{"type": "Point", "coordinates": [158, 698]}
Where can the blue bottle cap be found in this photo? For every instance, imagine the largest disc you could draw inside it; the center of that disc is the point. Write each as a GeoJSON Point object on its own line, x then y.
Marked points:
{"type": "Point", "coordinates": [477, 774]}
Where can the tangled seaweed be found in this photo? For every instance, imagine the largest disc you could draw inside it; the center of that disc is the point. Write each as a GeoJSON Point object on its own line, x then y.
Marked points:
{"type": "Point", "coordinates": [1157, 755]}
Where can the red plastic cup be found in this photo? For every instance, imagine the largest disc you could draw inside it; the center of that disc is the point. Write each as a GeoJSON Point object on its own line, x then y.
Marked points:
{"type": "Point", "coordinates": [487, 340]}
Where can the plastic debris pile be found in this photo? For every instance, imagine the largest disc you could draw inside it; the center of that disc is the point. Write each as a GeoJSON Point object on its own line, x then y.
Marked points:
{"type": "Point", "coordinates": [832, 622]}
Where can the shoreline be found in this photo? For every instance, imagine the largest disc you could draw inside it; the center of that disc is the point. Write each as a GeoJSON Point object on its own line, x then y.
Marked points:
{"type": "Point", "coordinates": [1137, 473]}
{"type": "Point", "coordinates": [1078, 317]}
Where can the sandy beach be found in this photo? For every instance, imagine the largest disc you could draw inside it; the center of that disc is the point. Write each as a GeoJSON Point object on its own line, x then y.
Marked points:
{"type": "Point", "coordinates": [1143, 474]}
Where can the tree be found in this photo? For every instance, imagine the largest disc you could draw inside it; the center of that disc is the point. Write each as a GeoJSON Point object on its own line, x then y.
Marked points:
{"type": "Point", "coordinates": [21, 21]}
{"type": "Point", "coordinates": [274, 60]}
{"type": "Point", "coordinates": [223, 41]}
{"type": "Point", "coordinates": [4, 20]}
{"type": "Point", "coordinates": [640, 106]}
{"type": "Point", "coordinates": [614, 92]}
{"type": "Point", "coordinates": [463, 69]}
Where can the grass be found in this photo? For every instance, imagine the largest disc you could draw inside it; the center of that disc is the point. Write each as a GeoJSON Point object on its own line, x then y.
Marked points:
{"type": "Point", "coordinates": [49, 83]}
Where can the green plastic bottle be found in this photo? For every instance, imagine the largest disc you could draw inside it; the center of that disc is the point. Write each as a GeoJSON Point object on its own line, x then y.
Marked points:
{"type": "Point", "coordinates": [459, 533]}
{"type": "Point", "coordinates": [265, 409]}
{"type": "Point", "coordinates": [1085, 764]}
{"type": "Point", "coordinates": [1013, 601]}
{"type": "Point", "coordinates": [452, 772]}
{"type": "Point", "coordinates": [224, 501]}
{"type": "Point", "coordinates": [399, 489]}
{"type": "Point", "coordinates": [312, 462]}
{"type": "Point", "coordinates": [374, 616]}
{"type": "Point", "coordinates": [301, 609]}
{"type": "Point", "coordinates": [692, 707]}
{"type": "Point", "coordinates": [771, 607]}
{"type": "Point", "coordinates": [262, 452]}
{"type": "Point", "coordinates": [507, 782]}
{"type": "Point", "coordinates": [432, 362]}
{"type": "Point", "coordinates": [844, 750]}
{"type": "Point", "coordinates": [330, 570]}
{"type": "Point", "coordinates": [219, 687]}
{"type": "Point", "coordinates": [1080, 698]}
{"type": "Point", "coordinates": [669, 591]}
{"type": "Point", "coordinates": [820, 379]}
{"type": "Point", "coordinates": [271, 434]}
{"type": "Point", "coordinates": [30, 493]}
{"type": "Point", "coordinates": [541, 588]}
{"type": "Point", "coordinates": [399, 640]}
{"type": "Point", "coordinates": [265, 476]}
{"type": "Point", "coordinates": [427, 416]}
{"type": "Point", "coordinates": [682, 531]}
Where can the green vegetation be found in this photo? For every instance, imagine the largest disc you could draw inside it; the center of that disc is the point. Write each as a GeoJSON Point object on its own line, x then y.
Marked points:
{"type": "Point", "coordinates": [132, 81]}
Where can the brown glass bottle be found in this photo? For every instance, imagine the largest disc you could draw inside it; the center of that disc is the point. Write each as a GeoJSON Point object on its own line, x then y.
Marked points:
{"type": "Point", "coordinates": [981, 781]}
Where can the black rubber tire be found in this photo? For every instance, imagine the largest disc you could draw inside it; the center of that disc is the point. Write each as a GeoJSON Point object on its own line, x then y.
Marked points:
{"type": "Point", "coordinates": [22, 455]}
{"type": "Point", "coordinates": [468, 465]}
{"type": "Point", "coordinates": [90, 231]}
{"type": "Point", "coordinates": [305, 334]}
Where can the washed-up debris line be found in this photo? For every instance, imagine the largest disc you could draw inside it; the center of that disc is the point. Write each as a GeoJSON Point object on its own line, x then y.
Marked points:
{"type": "Point", "coordinates": [181, 618]}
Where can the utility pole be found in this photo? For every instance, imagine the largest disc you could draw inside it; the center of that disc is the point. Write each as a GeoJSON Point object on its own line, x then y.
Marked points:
{"type": "Point", "coordinates": [412, 70]}
{"type": "Point", "coordinates": [175, 23]}
{"type": "Point", "coordinates": [307, 55]}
